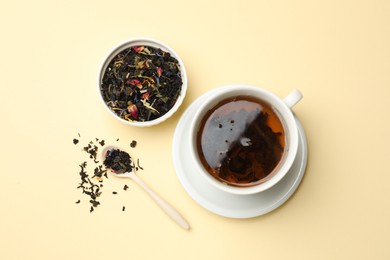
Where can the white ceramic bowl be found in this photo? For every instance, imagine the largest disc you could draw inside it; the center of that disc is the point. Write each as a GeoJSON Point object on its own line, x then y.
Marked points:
{"type": "Point", "coordinates": [282, 107]}
{"type": "Point", "coordinates": [144, 42]}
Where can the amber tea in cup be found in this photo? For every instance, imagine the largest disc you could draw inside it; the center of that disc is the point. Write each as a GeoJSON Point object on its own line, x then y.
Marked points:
{"type": "Point", "coordinates": [241, 141]}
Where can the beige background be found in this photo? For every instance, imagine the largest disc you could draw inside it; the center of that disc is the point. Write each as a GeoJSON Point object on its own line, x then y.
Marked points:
{"type": "Point", "coordinates": [336, 52]}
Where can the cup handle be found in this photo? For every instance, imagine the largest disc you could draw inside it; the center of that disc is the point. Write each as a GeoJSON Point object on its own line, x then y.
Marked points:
{"type": "Point", "coordinates": [293, 98]}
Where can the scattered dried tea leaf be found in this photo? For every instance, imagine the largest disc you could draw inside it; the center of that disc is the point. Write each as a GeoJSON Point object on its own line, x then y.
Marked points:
{"type": "Point", "coordinates": [139, 165]}
{"type": "Point", "coordinates": [91, 186]}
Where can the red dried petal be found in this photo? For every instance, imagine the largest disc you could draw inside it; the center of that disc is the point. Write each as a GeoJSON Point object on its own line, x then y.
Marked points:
{"type": "Point", "coordinates": [145, 96]}
{"type": "Point", "coordinates": [137, 49]}
{"type": "Point", "coordinates": [135, 82]}
{"type": "Point", "coordinates": [133, 110]}
{"type": "Point", "coordinates": [159, 71]}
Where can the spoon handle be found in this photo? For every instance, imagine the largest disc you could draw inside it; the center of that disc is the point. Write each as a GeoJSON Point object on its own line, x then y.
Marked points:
{"type": "Point", "coordinates": [165, 206]}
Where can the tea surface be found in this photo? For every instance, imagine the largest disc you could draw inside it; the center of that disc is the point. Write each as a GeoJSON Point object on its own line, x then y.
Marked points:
{"type": "Point", "coordinates": [241, 141]}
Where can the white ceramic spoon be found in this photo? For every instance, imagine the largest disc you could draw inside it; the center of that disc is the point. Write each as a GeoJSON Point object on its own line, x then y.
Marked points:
{"type": "Point", "coordinates": [165, 206]}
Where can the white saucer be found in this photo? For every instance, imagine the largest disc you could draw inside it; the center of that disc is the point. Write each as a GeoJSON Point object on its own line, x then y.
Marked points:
{"type": "Point", "coordinates": [220, 202]}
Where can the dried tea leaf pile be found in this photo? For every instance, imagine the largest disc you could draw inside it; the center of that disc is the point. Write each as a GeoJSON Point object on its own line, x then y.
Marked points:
{"type": "Point", "coordinates": [119, 161]}
{"type": "Point", "coordinates": [92, 186]}
{"type": "Point", "coordinates": [141, 83]}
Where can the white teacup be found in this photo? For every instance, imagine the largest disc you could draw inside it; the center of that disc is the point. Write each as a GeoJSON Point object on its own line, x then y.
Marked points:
{"type": "Point", "coordinates": [281, 107]}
